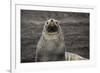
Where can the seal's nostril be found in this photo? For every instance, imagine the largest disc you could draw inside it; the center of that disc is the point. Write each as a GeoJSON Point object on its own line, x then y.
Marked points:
{"type": "Point", "coordinates": [51, 20]}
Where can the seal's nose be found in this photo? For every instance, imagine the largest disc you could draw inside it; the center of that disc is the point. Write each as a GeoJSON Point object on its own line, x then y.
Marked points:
{"type": "Point", "coordinates": [51, 20]}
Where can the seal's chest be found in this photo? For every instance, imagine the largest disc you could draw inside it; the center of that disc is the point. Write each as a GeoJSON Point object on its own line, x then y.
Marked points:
{"type": "Point", "coordinates": [52, 45]}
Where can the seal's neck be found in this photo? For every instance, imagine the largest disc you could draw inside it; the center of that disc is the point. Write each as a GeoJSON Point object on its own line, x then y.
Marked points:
{"type": "Point", "coordinates": [51, 36]}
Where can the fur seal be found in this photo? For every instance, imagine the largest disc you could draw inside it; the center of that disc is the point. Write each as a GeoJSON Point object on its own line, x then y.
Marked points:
{"type": "Point", "coordinates": [51, 46]}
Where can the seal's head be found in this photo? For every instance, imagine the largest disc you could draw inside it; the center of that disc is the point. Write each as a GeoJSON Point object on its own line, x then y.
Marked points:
{"type": "Point", "coordinates": [51, 26]}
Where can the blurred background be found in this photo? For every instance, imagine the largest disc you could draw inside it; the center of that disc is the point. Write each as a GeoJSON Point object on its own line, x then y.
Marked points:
{"type": "Point", "coordinates": [75, 28]}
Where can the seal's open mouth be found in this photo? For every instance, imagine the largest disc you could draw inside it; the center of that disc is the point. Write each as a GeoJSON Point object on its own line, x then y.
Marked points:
{"type": "Point", "coordinates": [52, 28]}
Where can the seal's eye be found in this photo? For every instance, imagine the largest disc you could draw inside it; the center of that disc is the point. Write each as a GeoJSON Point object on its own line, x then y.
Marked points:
{"type": "Point", "coordinates": [47, 22]}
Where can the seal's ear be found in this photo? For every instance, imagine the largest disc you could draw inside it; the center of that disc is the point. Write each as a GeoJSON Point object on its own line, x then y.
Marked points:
{"type": "Point", "coordinates": [46, 22]}
{"type": "Point", "coordinates": [57, 22]}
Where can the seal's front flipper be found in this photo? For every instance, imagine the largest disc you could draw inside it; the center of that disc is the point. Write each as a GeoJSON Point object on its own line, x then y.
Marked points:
{"type": "Point", "coordinates": [71, 56]}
